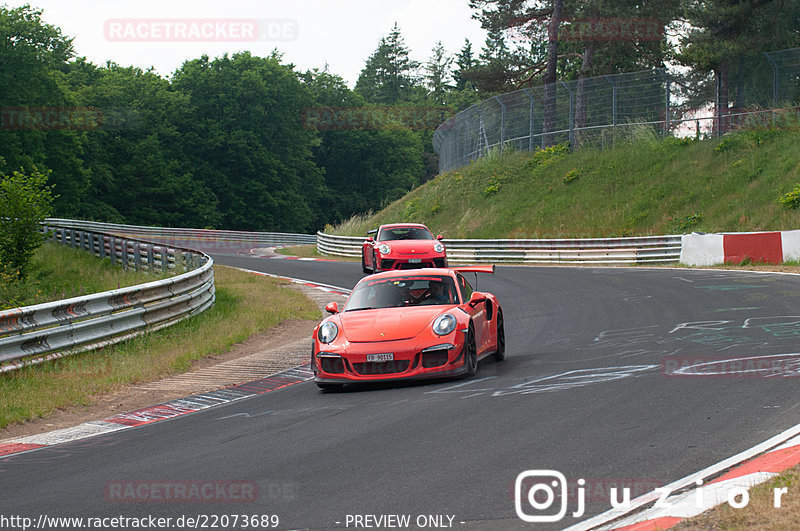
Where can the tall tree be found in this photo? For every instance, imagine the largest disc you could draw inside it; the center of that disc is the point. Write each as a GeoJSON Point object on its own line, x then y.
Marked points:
{"type": "Point", "coordinates": [724, 32]}
{"type": "Point", "coordinates": [31, 52]}
{"type": "Point", "coordinates": [244, 138]}
{"type": "Point", "coordinates": [528, 17]}
{"type": "Point", "coordinates": [390, 75]}
{"type": "Point", "coordinates": [437, 71]}
{"type": "Point", "coordinates": [465, 62]}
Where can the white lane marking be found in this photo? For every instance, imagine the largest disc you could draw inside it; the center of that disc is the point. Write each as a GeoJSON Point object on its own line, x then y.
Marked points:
{"type": "Point", "coordinates": [645, 499]}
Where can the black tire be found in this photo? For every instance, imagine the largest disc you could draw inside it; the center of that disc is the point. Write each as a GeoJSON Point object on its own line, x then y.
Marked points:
{"type": "Point", "coordinates": [500, 353]}
{"type": "Point", "coordinates": [374, 263]}
{"type": "Point", "coordinates": [330, 386]}
{"type": "Point", "coordinates": [471, 354]}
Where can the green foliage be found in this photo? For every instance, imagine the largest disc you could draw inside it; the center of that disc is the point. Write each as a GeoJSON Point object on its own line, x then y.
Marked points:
{"type": "Point", "coordinates": [724, 145]}
{"type": "Point", "coordinates": [571, 176]}
{"type": "Point", "coordinates": [683, 224]}
{"type": "Point", "coordinates": [494, 185]}
{"type": "Point", "coordinates": [791, 199]}
{"type": "Point", "coordinates": [543, 157]}
{"type": "Point", "coordinates": [25, 201]}
{"type": "Point", "coordinates": [631, 189]}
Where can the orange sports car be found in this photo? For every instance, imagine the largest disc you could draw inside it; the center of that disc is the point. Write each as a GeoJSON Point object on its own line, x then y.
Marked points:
{"type": "Point", "coordinates": [402, 246]}
{"type": "Point", "coordinates": [423, 323]}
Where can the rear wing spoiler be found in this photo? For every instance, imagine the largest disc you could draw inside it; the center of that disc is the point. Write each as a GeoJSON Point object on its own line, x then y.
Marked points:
{"type": "Point", "coordinates": [373, 231]}
{"type": "Point", "coordinates": [475, 269]}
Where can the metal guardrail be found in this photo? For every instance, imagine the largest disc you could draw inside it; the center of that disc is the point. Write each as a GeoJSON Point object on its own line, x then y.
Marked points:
{"type": "Point", "coordinates": [637, 250]}
{"type": "Point", "coordinates": [33, 334]}
{"type": "Point", "coordinates": [200, 235]}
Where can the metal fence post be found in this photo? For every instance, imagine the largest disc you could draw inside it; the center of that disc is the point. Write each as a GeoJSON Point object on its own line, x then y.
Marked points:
{"type": "Point", "coordinates": [502, 122]}
{"type": "Point", "coordinates": [666, 103]}
{"type": "Point", "coordinates": [774, 79]}
{"type": "Point", "coordinates": [530, 119]}
{"type": "Point", "coordinates": [571, 115]}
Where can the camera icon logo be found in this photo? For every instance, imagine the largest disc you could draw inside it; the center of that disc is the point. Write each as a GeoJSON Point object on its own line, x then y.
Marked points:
{"type": "Point", "coordinates": [540, 488]}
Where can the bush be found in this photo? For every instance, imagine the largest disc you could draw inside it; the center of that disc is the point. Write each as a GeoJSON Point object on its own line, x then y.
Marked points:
{"type": "Point", "coordinates": [25, 201]}
{"type": "Point", "coordinates": [792, 199]}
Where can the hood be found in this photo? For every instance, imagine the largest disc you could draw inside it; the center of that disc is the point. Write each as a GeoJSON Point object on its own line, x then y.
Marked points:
{"type": "Point", "coordinates": [411, 246]}
{"type": "Point", "coordinates": [394, 323]}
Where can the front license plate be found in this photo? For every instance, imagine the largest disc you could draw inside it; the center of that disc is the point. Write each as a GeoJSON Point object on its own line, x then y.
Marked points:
{"type": "Point", "coordinates": [414, 260]}
{"type": "Point", "coordinates": [380, 357]}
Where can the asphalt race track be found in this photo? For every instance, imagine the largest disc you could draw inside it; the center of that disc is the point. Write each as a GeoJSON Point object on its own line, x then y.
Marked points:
{"type": "Point", "coordinates": [588, 388]}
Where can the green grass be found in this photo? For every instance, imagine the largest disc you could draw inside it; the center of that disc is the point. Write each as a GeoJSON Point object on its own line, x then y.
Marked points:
{"type": "Point", "coordinates": [245, 304]}
{"type": "Point", "coordinates": [60, 272]}
{"type": "Point", "coordinates": [642, 186]}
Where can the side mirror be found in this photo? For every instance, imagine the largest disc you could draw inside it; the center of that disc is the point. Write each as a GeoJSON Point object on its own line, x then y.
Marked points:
{"type": "Point", "coordinates": [370, 239]}
{"type": "Point", "coordinates": [439, 237]}
{"type": "Point", "coordinates": [332, 308]}
{"type": "Point", "coordinates": [476, 298]}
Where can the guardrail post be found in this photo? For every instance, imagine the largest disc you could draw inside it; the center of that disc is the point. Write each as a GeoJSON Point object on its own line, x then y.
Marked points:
{"type": "Point", "coordinates": [150, 265]}
{"type": "Point", "coordinates": [124, 254]}
{"type": "Point", "coordinates": [46, 331]}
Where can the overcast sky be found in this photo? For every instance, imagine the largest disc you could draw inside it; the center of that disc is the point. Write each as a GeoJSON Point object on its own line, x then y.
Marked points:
{"type": "Point", "coordinates": [310, 33]}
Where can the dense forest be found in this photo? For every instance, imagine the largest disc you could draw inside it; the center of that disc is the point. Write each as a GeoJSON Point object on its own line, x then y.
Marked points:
{"type": "Point", "coordinates": [250, 143]}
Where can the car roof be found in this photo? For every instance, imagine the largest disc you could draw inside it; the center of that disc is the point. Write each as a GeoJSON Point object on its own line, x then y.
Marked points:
{"type": "Point", "coordinates": [399, 225]}
{"type": "Point", "coordinates": [411, 273]}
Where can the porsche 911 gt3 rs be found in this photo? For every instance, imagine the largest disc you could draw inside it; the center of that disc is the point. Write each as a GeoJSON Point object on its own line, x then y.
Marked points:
{"type": "Point", "coordinates": [415, 324]}
{"type": "Point", "coordinates": [402, 246]}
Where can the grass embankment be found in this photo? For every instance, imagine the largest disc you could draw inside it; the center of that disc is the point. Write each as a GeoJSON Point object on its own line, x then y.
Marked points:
{"type": "Point", "coordinates": [640, 187]}
{"type": "Point", "coordinates": [760, 511]}
{"type": "Point", "coordinates": [59, 272]}
{"type": "Point", "coordinates": [245, 304]}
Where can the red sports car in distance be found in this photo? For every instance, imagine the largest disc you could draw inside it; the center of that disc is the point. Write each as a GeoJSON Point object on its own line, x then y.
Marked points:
{"type": "Point", "coordinates": [397, 325]}
{"type": "Point", "coordinates": [402, 246]}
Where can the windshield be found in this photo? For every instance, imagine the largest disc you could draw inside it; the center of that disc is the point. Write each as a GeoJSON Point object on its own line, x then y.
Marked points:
{"type": "Point", "coordinates": [403, 291]}
{"type": "Point", "coordinates": [404, 233]}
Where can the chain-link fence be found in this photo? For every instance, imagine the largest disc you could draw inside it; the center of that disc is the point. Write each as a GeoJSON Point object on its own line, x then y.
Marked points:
{"type": "Point", "coordinates": [597, 111]}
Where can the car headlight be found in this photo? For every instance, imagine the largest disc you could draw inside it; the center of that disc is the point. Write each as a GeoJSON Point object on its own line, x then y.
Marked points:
{"type": "Point", "coordinates": [327, 332]}
{"type": "Point", "coordinates": [384, 249]}
{"type": "Point", "coordinates": [438, 247]}
{"type": "Point", "coordinates": [444, 324]}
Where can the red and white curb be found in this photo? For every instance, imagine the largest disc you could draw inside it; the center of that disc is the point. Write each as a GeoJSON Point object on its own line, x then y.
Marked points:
{"type": "Point", "coordinates": [712, 249]}
{"type": "Point", "coordinates": [324, 287]}
{"type": "Point", "coordinates": [728, 480]}
{"type": "Point", "coordinates": [165, 411]}
{"type": "Point", "coordinates": [174, 408]}
{"type": "Point", "coordinates": [269, 252]}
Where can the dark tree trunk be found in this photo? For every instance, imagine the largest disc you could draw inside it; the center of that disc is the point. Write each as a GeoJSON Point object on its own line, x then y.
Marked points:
{"type": "Point", "coordinates": [721, 122]}
{"type": "Point", "coordinates": [549, 119]}
{"type": "Point", "coordinates": [580, 96]}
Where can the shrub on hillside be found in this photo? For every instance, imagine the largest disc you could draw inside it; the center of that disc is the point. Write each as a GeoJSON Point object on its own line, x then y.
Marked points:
{"type": "Point", "coordinates": [25, 201]}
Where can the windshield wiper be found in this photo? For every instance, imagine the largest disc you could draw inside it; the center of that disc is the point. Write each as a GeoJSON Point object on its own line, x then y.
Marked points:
{"type": "Point", "coordinates": [362, 308]}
